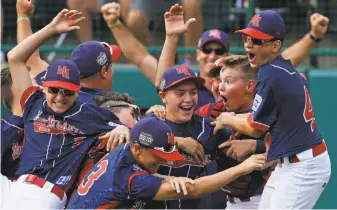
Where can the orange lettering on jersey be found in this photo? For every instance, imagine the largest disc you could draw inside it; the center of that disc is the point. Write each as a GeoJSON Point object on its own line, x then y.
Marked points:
{"type": "Point", "coordinates": [256, 20]}
{"type": "Point", "coordinates": [64, 71]}
{"type": "Point", "coordinates": [84, 187]}
{"type": "Point", "coordinates": [308, 112]}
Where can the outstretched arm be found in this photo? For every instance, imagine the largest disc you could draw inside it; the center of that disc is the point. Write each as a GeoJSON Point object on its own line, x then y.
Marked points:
{"type": "Point", "coordinates": [64, 21]}
{"type": "Point", "coordinates": [174, 25]}
{"type": "Point", "coordinates": [298, 52]}
{"type": "Point", "coordinates": [133, 49]}
{"type": "Point", "coordinates": [24, 9]}
{"type": "Point", "coordinates": [238, 123]}
{"type": "Point", "coordinates": [208, 184]}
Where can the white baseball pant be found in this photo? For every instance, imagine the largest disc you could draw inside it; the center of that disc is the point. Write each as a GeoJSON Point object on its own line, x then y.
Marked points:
{"type": "Point", "coordinates": [23, 195]}
{"type": "Point", "coordinates": [297, 185]}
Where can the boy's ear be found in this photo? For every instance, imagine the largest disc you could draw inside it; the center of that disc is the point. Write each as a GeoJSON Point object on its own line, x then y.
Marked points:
{"type": "Point", "coordinates": [162, 96]}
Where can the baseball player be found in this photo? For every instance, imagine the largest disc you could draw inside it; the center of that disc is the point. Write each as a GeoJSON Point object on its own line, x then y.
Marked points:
{"type": "Point", "coordinates": [94, 60]}
{"type": "Point", "coordinates": [122, 105]}
{"type": "Point", "coordinates": [11, 128]}
{"type": "Point", "coordinates": [179, 92]}
{"type": "Point", "coordinates": [123, 178]}
{"type": "Point", "coordinates": [128, 114]}
{"type": "Point", "coordinates": [238, 81]}
{"type": "Point", "coordinates": [210, 49]}
{"type": "Point", "coordinates": [282, 106]}
{"type": "Point", "coordinates": [55, 136]}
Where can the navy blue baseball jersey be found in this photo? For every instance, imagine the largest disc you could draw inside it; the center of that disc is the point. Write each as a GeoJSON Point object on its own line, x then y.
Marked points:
{"type": "Point", "coordinates": [200, 129]}
{"type": "Point", "coordinates": [248, 185]}
{"type": "Point", "coordinates": [283, 106]}
{"type": "Point", "coordinates": [12, 133]}
{"type": "Point", "coordinates": [56, 143]}
{"type": "Point", "coordinates": [86, 94]}
{"type": "Point", "coordinates": [116, 181]}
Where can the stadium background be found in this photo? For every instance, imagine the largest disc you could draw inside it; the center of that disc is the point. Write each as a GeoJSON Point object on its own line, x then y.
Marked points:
{"type": "Point", "coordinates": [320, 67]}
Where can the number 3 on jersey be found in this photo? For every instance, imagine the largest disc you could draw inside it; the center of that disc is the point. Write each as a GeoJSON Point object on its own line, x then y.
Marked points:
{"type": "Point", "coordinates": [308, 113]}
{"type": "Point", "coordinates": [84, 187]}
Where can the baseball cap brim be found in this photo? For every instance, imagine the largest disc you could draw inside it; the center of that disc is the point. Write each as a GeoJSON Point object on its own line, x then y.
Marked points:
{"type": "Point", "coordinates": [198, 80]}
{"type": "Point", "coordinates": [254, 33]}
{"type": "Point", "coordinates": [214, 72]}
{"type": "Point", "coordinates": [60, 84]}
{"type": "Point", "coordinates": [172, 156]}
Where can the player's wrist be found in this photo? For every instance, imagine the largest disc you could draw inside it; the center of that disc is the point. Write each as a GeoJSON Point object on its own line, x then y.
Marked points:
{"type": "Point", "coordinates": [114, 24]}
{"type": "Point", "coordinates": [23, 18]}
{"type": "Point", "coordinates": [172, 37]}
{"type": "Point", "coordinates": [253, 146]}
{"type": "Point", "coordinates": [315, 37]}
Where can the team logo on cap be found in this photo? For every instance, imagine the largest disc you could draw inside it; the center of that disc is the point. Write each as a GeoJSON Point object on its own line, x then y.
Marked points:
{"type": "Point", "coordinates": [215, 33]}
{"type": "Point", "coordinates": [183, 70]}
{"type": "Point", "coordinates": [64, 71]}
{"type": "Point", "coordinates": [256, 20]}
{"type": "Point", "coordinates": [145, 139]}
{"type": "Point", "coordinates": [162, 84]}
{"type": "Point", "coordinates": [102, 58]}
{"type": "Point", "coordinates": [170, 138]}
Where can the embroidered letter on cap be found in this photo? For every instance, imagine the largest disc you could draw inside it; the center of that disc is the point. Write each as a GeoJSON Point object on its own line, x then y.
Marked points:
{"type": "Point", "coordinates": [170, 138]}
{"type": "Point", "coordinates": [64, 71]}
{"type": "Point", "coordinates": [256, 20]}
{"type": "Point", "coordinates": [215, 33]}
{"type": "Point", "coordinates": [183, 71]}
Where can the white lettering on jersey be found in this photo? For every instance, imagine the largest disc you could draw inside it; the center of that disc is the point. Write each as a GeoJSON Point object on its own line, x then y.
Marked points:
{"type": "Point", "coordinates": [257, 102]}
{"type": "Point", "coordinates": [63, 180]}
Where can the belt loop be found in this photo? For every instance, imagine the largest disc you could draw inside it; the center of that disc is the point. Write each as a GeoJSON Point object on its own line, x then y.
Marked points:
{"type": "Point", "coordinates": [31, 178]}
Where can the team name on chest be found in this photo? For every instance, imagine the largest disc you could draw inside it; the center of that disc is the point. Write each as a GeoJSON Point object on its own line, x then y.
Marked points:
{"type": "Point", "coordinates": [52, 126]}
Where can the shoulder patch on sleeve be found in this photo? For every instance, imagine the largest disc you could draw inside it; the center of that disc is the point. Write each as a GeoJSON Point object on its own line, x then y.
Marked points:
{"type": "Point", "coordinates": [257, 102]}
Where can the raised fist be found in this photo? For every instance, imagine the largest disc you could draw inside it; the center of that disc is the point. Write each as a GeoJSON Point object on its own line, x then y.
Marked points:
{"type": "Point", "coordinates": [111, 12]}
{"type": "Point", "coordinates": [319, 25]}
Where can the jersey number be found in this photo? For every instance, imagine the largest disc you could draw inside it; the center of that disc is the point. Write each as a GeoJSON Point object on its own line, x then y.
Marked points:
{"type": "Point", "coordinates": [93, 176]}
{"type": "Point", "coordinates": [308, 113]}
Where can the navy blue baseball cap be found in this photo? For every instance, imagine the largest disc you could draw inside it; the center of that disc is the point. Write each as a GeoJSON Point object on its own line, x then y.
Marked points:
{"type": "Point", "coordinates": [156, 135]}
{"type": "Point", "coordinates": [266, 25]}
{"type": "Point", "coordinates": [178, 74]}
{"type": "Point", "coordinates": [217, 66]}
{"type": "Point", "coordinates": [91, 56]}
{"type": "Point", "coordinates": [63, 74]}
{"type": "Point", "coordinates": [214, 35]}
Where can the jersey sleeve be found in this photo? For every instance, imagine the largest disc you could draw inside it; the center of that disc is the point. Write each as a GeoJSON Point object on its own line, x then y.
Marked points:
{"type": "Point", "coordinates": [29, 96]}
{"type": "Point", "coordinates": [143, 186]}
{"type": "Point", "coordinates": [11, 132]}
{"type": "Point", "coordinates": [213, 140]}
{"type": "Point", "coordinates": [264, 108]}
{"type": "Point", "coordinates": [97, 120]}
